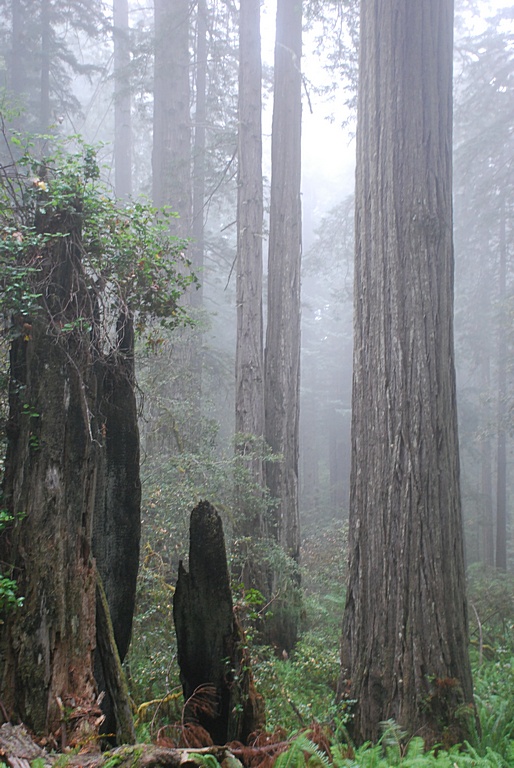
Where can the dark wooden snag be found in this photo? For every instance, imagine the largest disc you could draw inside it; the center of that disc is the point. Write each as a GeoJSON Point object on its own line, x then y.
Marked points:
{"type": "Point", "coordinates": [210, 642]}
{"type": "Point", "coordinates": [117, 518]}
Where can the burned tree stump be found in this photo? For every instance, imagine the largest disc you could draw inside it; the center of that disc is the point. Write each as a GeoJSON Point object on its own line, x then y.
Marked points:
{"type": "Point", "coordinates": [210, 642]}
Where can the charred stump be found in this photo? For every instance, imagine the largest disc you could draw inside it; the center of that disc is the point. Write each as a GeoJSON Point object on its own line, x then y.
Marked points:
{"type": "Point", "coordinates": [117, 518]}
{"type": "Point", "coordinates": [216, 679]}
{"type": "Point", "coordinates": [46, 647]}
{"type": "Point", "coordinates": [71, 489]}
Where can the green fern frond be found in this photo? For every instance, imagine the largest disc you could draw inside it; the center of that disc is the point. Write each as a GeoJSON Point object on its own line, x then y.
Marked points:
{"type": "Point", "coordinates": [301, 753]}
{"type": "Point", "coordinates": [416, 748]}
{"type": "Point", "coordinates": [204, 760]}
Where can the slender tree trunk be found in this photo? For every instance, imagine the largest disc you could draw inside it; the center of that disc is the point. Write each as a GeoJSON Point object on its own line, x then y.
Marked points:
{"type": "Point", "coordinates": [309, 447]}
{"type": "Point", "coordinates": [171, 154]}
{"type": "Point", "coordinates": [486, 467]}
{"type": "Point", "coordinates": [172, 186]}
{"type": "Point", "coordinates": [199, 147]}
{"type": "Point", "coordinates": [46, 43]}
{"type": "Point", "coordinates": [501, 458]}
{"type": "Point", "coordinates": [16, 59]}
{"type": "Point", "coordinates": [249, 344]}
{"type": "Point", "coordinates": [117, 519]}
{"type": "Point", "coordinates": [282, 357]}
{"type": "Point", "coordinates": [122, 115]}
{"type": "Point", "coordinates": [487, 499]}
{"type": "Point", "coordinates": [404, 644]}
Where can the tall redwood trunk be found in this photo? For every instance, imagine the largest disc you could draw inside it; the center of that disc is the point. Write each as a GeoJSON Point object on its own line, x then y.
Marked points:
{"type": "Point", "coordinates": [501, 457]}
{"type": "Point", "coordinates": [122, 115]}
{"type": "Point", "coordinates": [171, 153]}
{"type": "Point", "coordinates": [46, 42]}
{"type": "Point", "coordinates": [199, 157]}
{"type": "Point", "coordinates": [282, 357]}
{"type": "Point", "coordinates": [404, 644]}
{"type": "Point", "coordinates": [282, 354]}
{"type": "Point", "coordinates": [16, 60]}
{"type": "Point", "coordinates": [249, 344]}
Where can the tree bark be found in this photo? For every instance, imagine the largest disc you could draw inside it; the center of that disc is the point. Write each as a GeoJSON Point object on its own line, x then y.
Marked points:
{"type": "Point", "coordinates": [122, 113]}
{"type": "Point", "coordinates": [404, 644]}
{"type": "Point", "coordinates": [501, 452]}
{"type": "Point", "coordinates": [171, 154]}
{"type": "Point", "coordinates": [46, 43]}
{"type": "Point", "coordinates": [112, 673]}
{"type": "Point", "coordinates": [17, 73]}
{"type": "Point", "coordinates": [282, 355]}
{"type": "Point", "coordinates": [17, 746]}
{"type": "Point", "coordinates": [249, 343]}
{"type": "Point", "coordinates": [214, 668]}
{"type": "Point", "coordinates": [199, 157]}
{"type": "Point", "coordinates": [117, 519]}
{"type": "Point", "coordinates": [71, 484]}
{"type": "Point", "coordinates": [486, 464]}
{"type": "Point", "coordinates": [49, 489]}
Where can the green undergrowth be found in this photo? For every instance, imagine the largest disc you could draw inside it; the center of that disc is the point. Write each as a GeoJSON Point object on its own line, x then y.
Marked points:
{"type": "Point", "coordinates": [389, 753]}
{"type": "Point", "coordinates": [299, 688]}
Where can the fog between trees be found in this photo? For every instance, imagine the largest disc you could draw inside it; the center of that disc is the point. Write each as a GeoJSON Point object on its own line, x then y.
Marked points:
{"type": "Point", "coordinates": [179, 118]}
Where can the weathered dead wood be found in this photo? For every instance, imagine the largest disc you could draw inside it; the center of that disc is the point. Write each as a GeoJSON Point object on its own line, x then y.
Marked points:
{"type": "Point", "coordinates": [113, 675]}
{"type": "Point", "coordinates": [214, 667]}
{"type": "Point", "coordinates": [18, 749]}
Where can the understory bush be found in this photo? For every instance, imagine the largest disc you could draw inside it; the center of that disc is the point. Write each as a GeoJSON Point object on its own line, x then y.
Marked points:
{"type": "Point", "coordinates": [299, 688]}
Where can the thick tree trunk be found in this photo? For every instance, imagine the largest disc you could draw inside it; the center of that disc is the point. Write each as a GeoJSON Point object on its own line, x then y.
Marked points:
{"type": "Point", "coordinates": [404, 645]}
{"type": "Point", "coordinates": [49, 488]}
{"type": "Point", "coordinates": [249, 344]}
{"type": "Point", "coordinates": [72, 466]}
{"type": "Point", "coordinates": [282, 355]}
{"type": "Point", "coordinates": [214, 667]}
{"type": "Point", "coordinates": [122, 115]}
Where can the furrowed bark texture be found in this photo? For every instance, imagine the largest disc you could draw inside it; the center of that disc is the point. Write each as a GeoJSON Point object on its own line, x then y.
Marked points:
{"type": "Point", "coordinates": [72, 486]}
{"type": "Point", "coordinates": [404, 645]}
{"type": "Point", "coordinates": [282, 354]}
{"type": "Point", "coordinates": [47, 645]}
{"type": "Point", "coordinates": [210, 643]}
{"type": "Point", "coordinates": [117, 520]}
{"type": "Point", "coordinates": [282, 357]}
{"type": "Point", "coordinates": [249, 346]}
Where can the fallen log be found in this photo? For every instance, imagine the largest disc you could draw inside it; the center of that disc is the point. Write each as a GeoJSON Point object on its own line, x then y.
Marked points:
{"type": "Point", "coordinates": [18, 750]}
